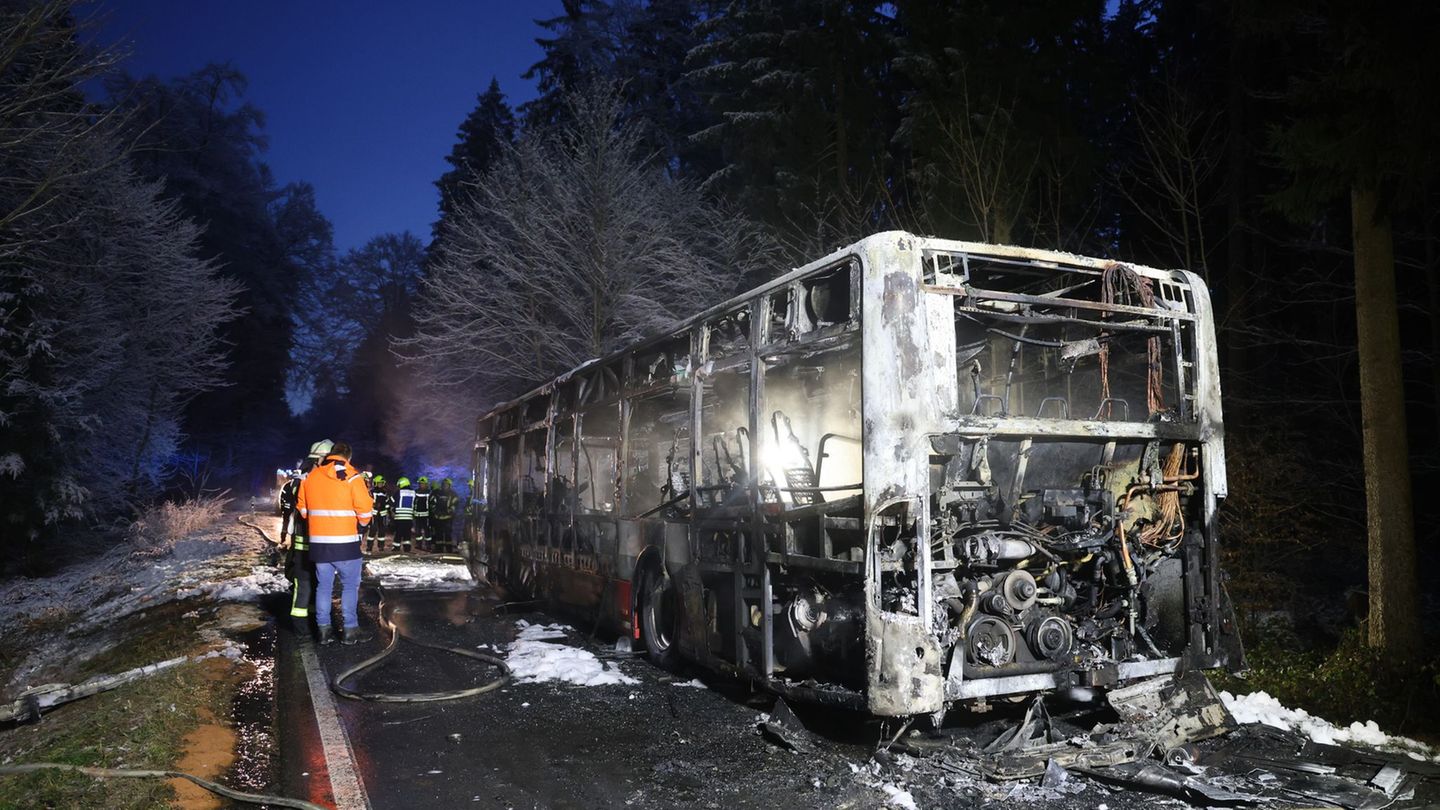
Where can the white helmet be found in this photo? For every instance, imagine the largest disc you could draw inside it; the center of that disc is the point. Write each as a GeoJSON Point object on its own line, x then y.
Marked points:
{"type": "Point", "coordinates": [320, 449]}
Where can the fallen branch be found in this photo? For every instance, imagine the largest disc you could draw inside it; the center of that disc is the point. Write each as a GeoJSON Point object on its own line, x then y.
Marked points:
{"type": "Point", "coordinates": [107, 773]}
{"type": "Point", "coordinates": [31, 701]}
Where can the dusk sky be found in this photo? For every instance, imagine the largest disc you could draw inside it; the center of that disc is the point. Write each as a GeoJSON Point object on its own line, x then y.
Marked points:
{"type": "Point", "coordinates": [361, 99]}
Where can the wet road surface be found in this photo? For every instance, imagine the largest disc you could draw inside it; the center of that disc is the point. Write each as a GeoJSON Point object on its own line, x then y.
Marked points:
{"type": "Point", "coordinates": [647, 744]}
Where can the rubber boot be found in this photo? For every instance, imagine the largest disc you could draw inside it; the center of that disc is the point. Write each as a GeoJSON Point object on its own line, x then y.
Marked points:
{"type": "Point", "coordinates": [327, 634]}
{"type": "Point", "coordinates": [355, 635]}
{"type": "Point", "coordinates": [300, 626]}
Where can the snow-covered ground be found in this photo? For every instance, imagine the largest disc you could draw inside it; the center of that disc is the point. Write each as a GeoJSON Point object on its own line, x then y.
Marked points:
{"type": "Point", "coordinates": [52, 617]}
{"type": "Point", "coordinates": [539, 654]}
{"type": "Point", "coordinates": [1260, 707]}
{"type": "Point", "coordinates": [399, 571]}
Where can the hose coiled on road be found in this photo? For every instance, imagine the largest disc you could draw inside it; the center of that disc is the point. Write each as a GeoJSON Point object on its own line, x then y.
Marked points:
{"type": "Point", "coordinates": [337, 686]}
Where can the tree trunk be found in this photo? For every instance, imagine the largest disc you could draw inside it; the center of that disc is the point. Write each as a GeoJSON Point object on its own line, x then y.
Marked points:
{"type": "Point", "coordinates": [1394, 600]}
{"type": "Point", "coordinates": [1237, 274]}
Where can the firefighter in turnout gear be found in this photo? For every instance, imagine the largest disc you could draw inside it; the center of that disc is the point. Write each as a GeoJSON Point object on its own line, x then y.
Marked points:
{"type": "Point", "coordinates": [294, 540]}
{"type": "Point", "coordinates": [442, 515]}
{"type": "Point", "coordinates": [422, 513]}
{"type": "Point", "coordinates": [403, 510]}
{"type": "Point", "coordinates": [378, 526]}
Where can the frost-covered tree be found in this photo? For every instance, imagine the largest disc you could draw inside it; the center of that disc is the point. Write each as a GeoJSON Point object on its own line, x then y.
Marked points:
{"type": "Point", "coordinates": [200, 136]}
{"type": "Point", "coordinates": [108, 320]}
{"type": "Point", "coordinates": [572, 246]}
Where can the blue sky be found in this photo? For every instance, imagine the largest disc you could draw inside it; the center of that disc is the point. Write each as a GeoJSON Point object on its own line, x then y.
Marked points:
{"type": "Point", "coordinates": [361, 98]}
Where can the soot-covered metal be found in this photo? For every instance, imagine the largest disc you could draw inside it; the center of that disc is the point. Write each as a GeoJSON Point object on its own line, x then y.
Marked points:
{"type": "Point", "coordinates": [914, 474]}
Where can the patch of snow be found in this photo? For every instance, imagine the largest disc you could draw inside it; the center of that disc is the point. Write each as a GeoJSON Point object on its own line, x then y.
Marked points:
{"type": "Point", "coordinates": [260, 582]}
{"type": "Point", "coordinates": [229, 650]}
{"type": "Point", "coordinates": [1260, 707]}
{"type": "Point", "coordinates": [895, 797]}
{"type": "Point", "coordinates": [399, 571]}
{"type": "Point", "coordinates": [534, 659]}
{"type": "Point", "coordinates": [61, 618]}
{"type": "Point", "coordinates": [694, 682]}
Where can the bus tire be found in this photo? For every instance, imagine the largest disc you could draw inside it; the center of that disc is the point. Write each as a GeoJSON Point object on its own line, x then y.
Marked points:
{"type": "Point", "coordinates": [657, 621]}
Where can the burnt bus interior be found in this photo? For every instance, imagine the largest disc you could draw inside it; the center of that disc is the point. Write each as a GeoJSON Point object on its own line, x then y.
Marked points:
{"type": "Point", "coordinates": [713, 493]}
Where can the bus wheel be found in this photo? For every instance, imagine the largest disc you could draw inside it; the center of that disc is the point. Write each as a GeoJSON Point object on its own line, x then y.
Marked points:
{"type": "Point", "coordinates": [657, 621]}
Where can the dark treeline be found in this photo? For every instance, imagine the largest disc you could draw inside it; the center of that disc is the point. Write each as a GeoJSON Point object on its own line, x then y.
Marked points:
{"type": "Point", "coordinates": [681, 150]}
{"type": "Point", "coordinates": [1283, 151]}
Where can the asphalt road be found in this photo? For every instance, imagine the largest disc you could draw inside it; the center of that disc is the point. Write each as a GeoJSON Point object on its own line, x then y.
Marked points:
{"type": "Point", "coordinates": [650, 744]}
{"type": "Point", "coordinates": [647, 744]}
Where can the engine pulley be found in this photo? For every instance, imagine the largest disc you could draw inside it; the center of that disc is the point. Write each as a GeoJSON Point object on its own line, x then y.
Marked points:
{"type": "Point", "coordinates": [990, 641]}
{"type": "Point", "coordinates": [1019, 589]}
{"type": "Point", "coordinates": [1050, 638]}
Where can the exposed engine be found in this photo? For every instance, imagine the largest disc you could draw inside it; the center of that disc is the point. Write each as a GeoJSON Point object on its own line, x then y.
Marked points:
{"type": "Point", "coordinates": [1071, 574]}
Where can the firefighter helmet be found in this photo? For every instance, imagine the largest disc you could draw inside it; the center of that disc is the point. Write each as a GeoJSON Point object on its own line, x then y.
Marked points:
{"type": "Point", "coordinates": [320, 449]}
{"type": "Point", "coordinates": [422, 480]}
{"type": "Point", "coordinates": [447, 482]}
{"type": "Point", "coordinates": [380, 479]}
{"type": "Point", "coordinates": [403, 482]}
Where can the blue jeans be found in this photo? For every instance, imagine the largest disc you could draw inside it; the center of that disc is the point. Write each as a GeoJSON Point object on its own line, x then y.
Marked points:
{"type": "Point", "coordinates": [349, 571]}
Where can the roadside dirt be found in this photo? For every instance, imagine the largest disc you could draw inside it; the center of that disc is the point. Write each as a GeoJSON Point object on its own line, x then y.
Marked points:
{"type": "Point", "coordinates": [209, 751]}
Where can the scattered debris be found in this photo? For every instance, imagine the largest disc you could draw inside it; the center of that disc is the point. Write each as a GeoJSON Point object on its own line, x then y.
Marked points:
{"type": "Point", "coordinates": [785, 729]}
{"type": "Point", "coordinates": [1175, 737]}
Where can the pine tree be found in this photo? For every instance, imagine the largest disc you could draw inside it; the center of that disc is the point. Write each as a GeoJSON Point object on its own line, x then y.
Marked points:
{"type": "Point", "coordinates": [485, 131]}
{"type": "Point", "coordinates": [581, 51]}
{"type": "Point", "coordinates": [801, 96]}
{"type": "Point", "coordinates": [650, 71]}
{"type": "Point", "coordinates": [994, 115]}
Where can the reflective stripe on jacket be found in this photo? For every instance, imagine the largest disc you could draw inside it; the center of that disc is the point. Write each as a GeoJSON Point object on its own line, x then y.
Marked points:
{"type": "Point", "coordinates": [335, 503]}
{"type": "Point", "coordinates": [405, 505]}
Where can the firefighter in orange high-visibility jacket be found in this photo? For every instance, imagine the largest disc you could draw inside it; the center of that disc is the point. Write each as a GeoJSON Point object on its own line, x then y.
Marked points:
{"type": "Point", "coordinates": [336, 504]}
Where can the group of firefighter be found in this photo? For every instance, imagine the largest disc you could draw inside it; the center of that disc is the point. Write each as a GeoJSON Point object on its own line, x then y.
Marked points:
{"type": "Point", "coordinates": [419, 516]}
{"type": "Point", "coordinates": [407, 517]}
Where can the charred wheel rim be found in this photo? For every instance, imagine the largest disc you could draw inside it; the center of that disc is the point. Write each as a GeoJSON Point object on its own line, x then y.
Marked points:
{"type": "Point", "coordinates": [658, 616]}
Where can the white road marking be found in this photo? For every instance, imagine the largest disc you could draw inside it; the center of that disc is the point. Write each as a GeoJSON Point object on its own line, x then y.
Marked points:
{"type": "Point", "coordinates": [345, 784]}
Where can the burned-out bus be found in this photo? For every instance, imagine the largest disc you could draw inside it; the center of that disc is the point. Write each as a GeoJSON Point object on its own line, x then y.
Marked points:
{"type": "Point", "coordinates": [912, 474]}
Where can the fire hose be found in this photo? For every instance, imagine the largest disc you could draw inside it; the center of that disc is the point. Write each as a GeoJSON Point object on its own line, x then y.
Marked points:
{"type": "Point", "coordinates": [338, 687]}
{"type": "Point", "coordinates": [108, 773]}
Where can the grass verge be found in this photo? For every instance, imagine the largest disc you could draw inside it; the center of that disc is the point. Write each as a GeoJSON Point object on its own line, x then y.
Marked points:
{"type": "Point", "coordinates": [139, 725]}
{"type": "Point", "coordinates": [1344, 683]}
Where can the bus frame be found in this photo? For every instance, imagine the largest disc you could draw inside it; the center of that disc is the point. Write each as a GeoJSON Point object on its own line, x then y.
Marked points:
{"type": "Point", "coordinates": [977, 542]}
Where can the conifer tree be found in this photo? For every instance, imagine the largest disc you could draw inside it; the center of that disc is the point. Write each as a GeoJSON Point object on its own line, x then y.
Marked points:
{"type": "Point", "coordinates": [485, 131]}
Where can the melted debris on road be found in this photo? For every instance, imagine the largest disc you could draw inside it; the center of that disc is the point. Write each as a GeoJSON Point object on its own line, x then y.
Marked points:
{"type": "Point", "coordinates": [1169, 736]}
